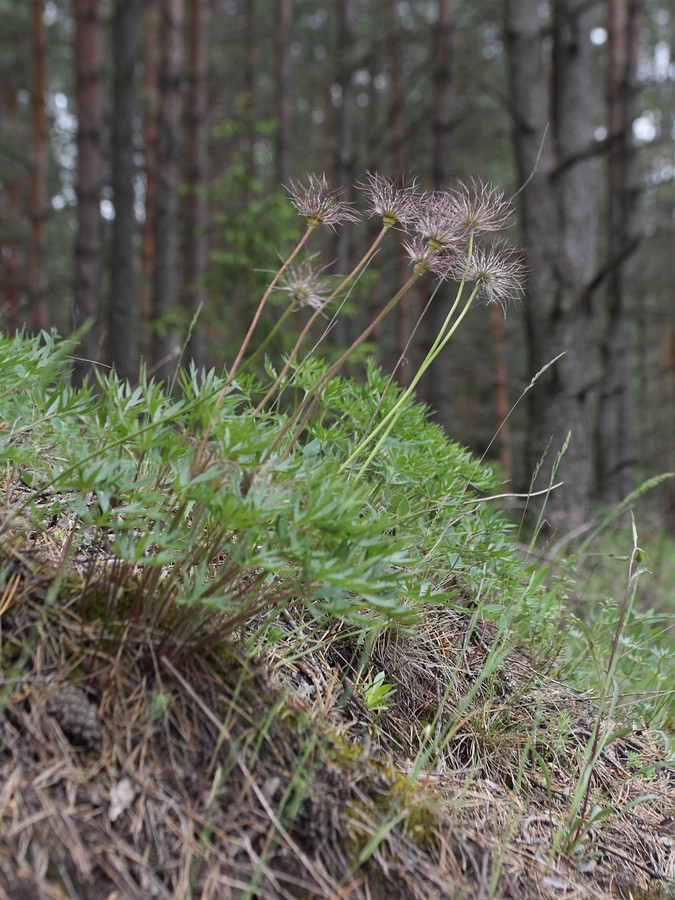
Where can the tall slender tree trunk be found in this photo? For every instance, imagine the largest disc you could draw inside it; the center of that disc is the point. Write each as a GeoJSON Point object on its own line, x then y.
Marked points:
{"type": "Point", "coordinates": [196, 202]}
{"type": "Point", "coordinates": [249, 97]}
{"type": "Point", "coordinates": [344, 150]}
{"type": "Point", "coordinates": [439, 388]}
{"type": "Point", "coordinates": [150, 112]}
{"type": "Point", "coordinates": [165, 345]}
{"type": "Point", "coordinates": [404, 311]}
{"type": "Point", "coordinates": [554, 121]}
{"type": "Point", "coordinates": [89, 51]}
{"type": "Point", "coordinates": [10, 248]}
{"type": "Point", "coordinates": [37, 241]}
{"type": "Point", "coordinates": [123, 300]}
{"type": "Point", "coordinates": [283, 89]}
{"type": "Point", "coordinates": [614, 435]}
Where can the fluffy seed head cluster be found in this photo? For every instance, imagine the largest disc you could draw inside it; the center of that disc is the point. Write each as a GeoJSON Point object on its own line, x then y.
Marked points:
{"type": "Point", "coordinates": [438, 222]}
{"type": "Point", "coordinates": [480, 207]}
{"type": "Point", "coordinates": [306, 284]}
{"type": "Point", "coordinates": [394, 201]}
{"type": "Point", "coordinates": [443, 224]}
{"type": "Point", "coordinates": [498, 273]}
{"type": "Point", "coordinates": [426, 257]}
{"type": "Point", "coordinates": [318, 204]}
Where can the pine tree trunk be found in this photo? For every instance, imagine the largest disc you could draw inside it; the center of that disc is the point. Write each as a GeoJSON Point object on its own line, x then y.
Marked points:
{"type": "Point", "coordinates": [196, 202]}
{"type": "Point", "coordinates": [10, 247]}
{"type": "Point", "coordinates": [165, 345]}
{"type": "Point", "coordinates": [37, 240]}
{"type": "Point", "coordinates": [344, 149]}
{"type": "Point", "coordinates": [123, 300]}
{"type": "Point", "coordinates": [404, 311]}
{"type": "Point", "coordinates": [283, 91]}
{"type": "Point", "coordinates": [614, 435]}
{"type": "Point", "coordinates": [438, 385]}
{"type": "Point", "coordinates": [501, 395]}
{"type": "Point", "coordinates": [249, 97]}
{"type": "Point", "coordinates": [554, 121]}
{"type": "Point", "coordinates": [150, 114]}
{"type": "Point", "coordinates": [89, 50]}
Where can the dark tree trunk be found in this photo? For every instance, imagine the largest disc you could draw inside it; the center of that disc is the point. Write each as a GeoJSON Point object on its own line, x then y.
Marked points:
{"type": "Point", "coordinates": [615, 443]}
{"type": "Point", "coordinates": [404, 310]}
{"type": "Point", "coordinates": [89, 52]}
{"type": "Point", "coordinates": [165, 345]}
{"type": "Point", "coordinates": [249, 97]}
{"type": "Point", "coordinates": [283, 91]}
{"type": "Point", "coordinates": [37, 241]}
{"type": "Point", "coordinates": [150, 112]}
{"type": "Point", "coordinates": [554, 120]}
{"type": "Point", "coordinates": [439, 388]}
{"type": "Point", "coordinates": [123, 300]}
{"type": "Point", "coordinates": [344, 150]}
{"type": "Point", "coordinates": [196, 203]}
{"type": "Point", "coordinates": [10, 246]}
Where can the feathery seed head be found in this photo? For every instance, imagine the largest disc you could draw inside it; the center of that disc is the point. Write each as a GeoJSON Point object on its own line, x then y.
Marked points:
{"type": "Point", "coordinates": [480, 207]}
{"type": "Point", "coordinates": [318, 204]}
{"type": "Point", "coordinates": [437, 221]}
{"type": "Point", "coordinates": [427, 258]}
{"type": "Point", "coordinates": [393, 200]}
{"type": "Point", "coordinates": [498, 272]}
{"type": "Point", "coordinates": [305, 284]}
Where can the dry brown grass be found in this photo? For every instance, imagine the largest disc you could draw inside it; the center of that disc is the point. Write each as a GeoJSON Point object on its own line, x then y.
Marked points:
{"type": "Point", "coordinates": [124, 773]}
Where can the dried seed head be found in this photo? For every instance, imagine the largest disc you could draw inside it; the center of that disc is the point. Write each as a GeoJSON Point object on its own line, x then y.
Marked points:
{"type": "Point", "coordinates": [393, 200]}
{"type": "Point", "coordinates": [498, 273]}
{"type": "Point", "coordinates": [480, 207]}
{"type": "Point", "coordinates": [305, 284]}
{"type": "Point", "coordinates": [417, 249]}
{"type": "Point", "coordinates": [318, 204]}
{"type": "Point", "coordinates": [438, 222]}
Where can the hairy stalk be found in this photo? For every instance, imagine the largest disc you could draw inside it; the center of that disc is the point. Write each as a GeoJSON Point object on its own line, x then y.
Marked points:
{"type": "Point", "coordinates": [305, 331]}
{"type": "Point", "coordinates": [393, 415]}
{"type": "Point", "coordinates": [305, 409]}
{"type": "Point", "coordinates": [277, 325]}
{"type": "Point", "coordinates": [235, 365]}
{"type": "Point", "coordinates": [445, 333]}
{"type": "Point", "coordinates": [298, 247]}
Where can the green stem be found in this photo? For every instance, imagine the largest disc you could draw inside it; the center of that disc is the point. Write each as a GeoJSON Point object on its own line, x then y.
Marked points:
{"type": "Point", "coordinates": [311, 398]}
{"type": "Point", "coordinates": [280, 321]}
{"type": "Point", "coordinates": [345, 281]}
{"type": "Point", "coordinates": [235, 365]}
{"type": "Point", "coordinates": [439, 343]}
{"type": "Point", "coordinates": [393, 415]}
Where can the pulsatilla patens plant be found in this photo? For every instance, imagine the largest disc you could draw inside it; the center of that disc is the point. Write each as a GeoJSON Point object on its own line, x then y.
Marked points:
{"type": "Point", "coordinates": [448, 233]}
{"type": "Point", "coordinates": [210, 500]}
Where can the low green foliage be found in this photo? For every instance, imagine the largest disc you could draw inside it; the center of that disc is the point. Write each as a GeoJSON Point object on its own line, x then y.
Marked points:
{"type": "Point", "coordinates": [243, 531]}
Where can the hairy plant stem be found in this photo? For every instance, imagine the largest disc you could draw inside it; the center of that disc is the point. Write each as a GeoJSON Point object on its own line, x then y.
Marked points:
{"type": "Point", "coordinates": [310, 400]}
{"type": "Point", "coordinates": [235, 365]}
{"type": "Point", "coordinates": [445, 333]}
{"type": "Point", "coordinates": [393, 415]}
{"type": "Point", "coordinates": [277, 325]}
{"type": "Point", "coordinates": [305, 331]}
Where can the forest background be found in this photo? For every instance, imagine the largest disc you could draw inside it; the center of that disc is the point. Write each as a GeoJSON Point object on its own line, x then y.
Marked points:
{"type": "Point", "coordinates": [145, 147]}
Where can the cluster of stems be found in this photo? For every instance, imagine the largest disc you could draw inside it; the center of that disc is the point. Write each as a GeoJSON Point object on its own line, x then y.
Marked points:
{"type": "Point", "coordinates": [441, 229]}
